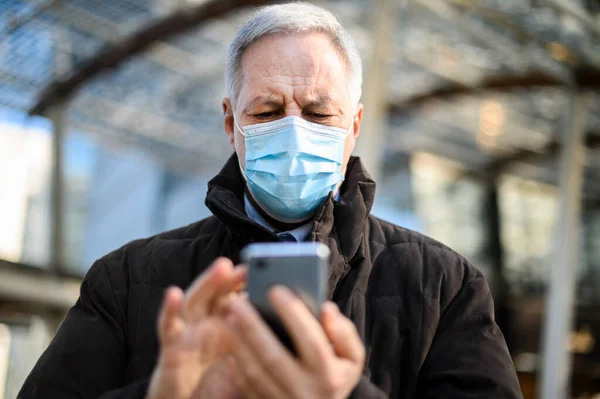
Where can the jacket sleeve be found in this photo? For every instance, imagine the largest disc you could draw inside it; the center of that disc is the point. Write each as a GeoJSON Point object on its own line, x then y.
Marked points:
{"type": "Point", "coordinates": [87, 357]}
{"type": "Point", "coordinates": [468, 357]}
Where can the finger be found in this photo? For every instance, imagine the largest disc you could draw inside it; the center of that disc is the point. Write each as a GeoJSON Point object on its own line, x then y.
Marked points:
{"type": "Point", "coordinates": [223, 304]}
{"type": "Point", "coordinates": [198, 296]}
{"type": "Point", "coordinates": [220, 279]}
{"type": "Point", "coordinates": [256, 381]}
{"type": "Point", "coordinates": [329, 318]}
{"type": "Point", "coordinates": [306, 331]}
{"type": "Point", "coordinates": [241, 279]}
{"type": "Point", "coordinates": [253, 334]}
{"type": "Point", "coordinates": [342, 334]}
{"type": "Point", "coordinates": [170, 322]}
{"type": "Point", "coordinates": [228, 291]}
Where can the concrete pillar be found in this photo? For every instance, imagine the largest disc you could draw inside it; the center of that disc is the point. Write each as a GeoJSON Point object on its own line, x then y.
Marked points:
{"type": "Point", "coordinates": [564, 257]}
{"type": "Point", "coordinates": [57, 115]}
{"type": "Point", "coordinates": [375, 123]}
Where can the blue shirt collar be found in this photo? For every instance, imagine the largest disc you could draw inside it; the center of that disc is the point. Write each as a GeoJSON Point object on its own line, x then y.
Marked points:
{"type": "Point", "coordinates": [298, 234]}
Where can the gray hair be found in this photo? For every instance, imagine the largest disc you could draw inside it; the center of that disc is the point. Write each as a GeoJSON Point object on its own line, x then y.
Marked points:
{"type": "Point", "coordinates": [297, 17]}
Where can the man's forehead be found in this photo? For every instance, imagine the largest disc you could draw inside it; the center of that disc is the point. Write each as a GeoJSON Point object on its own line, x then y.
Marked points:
{"type": "Point", "coordinates": [307, 63]}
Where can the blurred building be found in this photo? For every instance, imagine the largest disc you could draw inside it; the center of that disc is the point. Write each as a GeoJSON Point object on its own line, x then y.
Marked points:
{"type": "Point", "coordinates": [475, 99]}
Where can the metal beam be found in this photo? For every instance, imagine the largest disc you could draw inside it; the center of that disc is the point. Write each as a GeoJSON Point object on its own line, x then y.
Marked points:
{"type": "Point", "coordinates": [568, 57]}
{"type": "Point", "coordinates": [57, 115]}
{"type": "Point", "coordinates": [494, 84]}
{"type": "Point", "coordinates": [370, 146]}
{"type": "Point", "coordinates": [145, 123]}
{"type": "Point", "coordinates": [510, 139]}
{"type": "Point", "coordinates": [418, 142]}
{"type": "Point", "coordinates": [423, 59]}
{"type": "Point", "coordinates": [136, 43]}
{"type": "Point", "coordinates": [161, 53]}
{"type": "Point", "coordinates": [495, 253]}
{"type": "Point", "coordinates": [565, 258]}
{"type": "Point", "coordinates": [21, 284]}
{"type": "Point", "coordinates": [454, 11]}
{"type": "Point", "coordinates": [571, 8]}
{"type": "Point", "coordinates": [13, 24]}
{"type": "Point", "coordinates": [447, 11]}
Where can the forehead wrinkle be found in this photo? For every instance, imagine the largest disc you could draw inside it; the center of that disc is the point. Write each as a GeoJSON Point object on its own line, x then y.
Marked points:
{"type": "Point", "coordinates": [273, 101]}
{"type": "Point", "coordinates": [303, 93]}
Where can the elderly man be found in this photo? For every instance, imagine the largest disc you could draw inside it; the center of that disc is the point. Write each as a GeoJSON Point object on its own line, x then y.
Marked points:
{"type": "Point", "coordinates": [408, 317]}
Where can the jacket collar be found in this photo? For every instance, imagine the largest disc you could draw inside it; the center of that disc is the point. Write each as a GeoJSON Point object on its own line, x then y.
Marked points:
{"type": "Point", "coordinates": [338, 224]}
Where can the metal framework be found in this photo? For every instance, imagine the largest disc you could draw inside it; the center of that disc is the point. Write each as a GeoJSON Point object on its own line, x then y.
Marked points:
{"type": "Point", "coordinates": [112, 56]}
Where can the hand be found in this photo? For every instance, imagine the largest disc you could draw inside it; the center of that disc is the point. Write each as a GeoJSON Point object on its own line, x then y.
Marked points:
{"type": "Point", "coordinates": [330, 354]}
{"type": "Point", "coordinates": [220, 382]}
{"type": "Point", "coordinates": [192, 333]}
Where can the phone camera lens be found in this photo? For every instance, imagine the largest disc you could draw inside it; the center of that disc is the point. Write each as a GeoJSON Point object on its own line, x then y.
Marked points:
{"type": "Point", "coordinates": [261, 264]}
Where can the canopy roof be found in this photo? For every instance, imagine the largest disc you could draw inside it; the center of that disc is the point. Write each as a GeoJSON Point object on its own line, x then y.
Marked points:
{"type": "Point", "coordinates": [484, 82]}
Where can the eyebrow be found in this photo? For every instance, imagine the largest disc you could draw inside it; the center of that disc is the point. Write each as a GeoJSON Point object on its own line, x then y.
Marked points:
{"type": "Point", "coordinates": [319, 100]}
{"type": "Point", "coordinates": [263, 100]}
{"type": "Point", "coordinates": [322, 100]}
{"type": "Point", "coordinates": [276, 102]}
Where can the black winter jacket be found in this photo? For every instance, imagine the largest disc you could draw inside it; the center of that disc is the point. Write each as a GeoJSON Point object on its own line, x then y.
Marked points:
{"type": "Point", "coordinates": [424, 313]}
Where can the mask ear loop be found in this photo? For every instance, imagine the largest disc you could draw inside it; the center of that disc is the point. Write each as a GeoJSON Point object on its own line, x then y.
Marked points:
{"type": "Point", "coordinates": [238, 126]}
{"type": "Point", "coordinates": [351, 128]}
{"type": "Point", "coordinates": [243, 134]}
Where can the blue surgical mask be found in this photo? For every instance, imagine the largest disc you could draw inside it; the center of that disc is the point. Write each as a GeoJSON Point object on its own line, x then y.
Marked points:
{"type": "Point", "coordinates": [292, 165]}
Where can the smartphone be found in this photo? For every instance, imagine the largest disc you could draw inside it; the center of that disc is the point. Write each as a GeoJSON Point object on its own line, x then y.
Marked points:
{"type": "Point", "coordinates": [302, 267]}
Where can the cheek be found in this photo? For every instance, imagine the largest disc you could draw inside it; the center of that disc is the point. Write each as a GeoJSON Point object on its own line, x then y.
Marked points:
{"type": "Point", "coordinates": [349, 146]}
{"type": "Point", "coordinates": [240, 149]}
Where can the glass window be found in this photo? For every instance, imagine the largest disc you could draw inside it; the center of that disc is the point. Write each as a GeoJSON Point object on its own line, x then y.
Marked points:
{"type": "Point", "coordinates": [451, 207]}
{"type": "Point", "coordinates": [528, 211]}
{"type": "Point", "coordinates": [112, 194]}
{"type": "Point", "coordinates": [529, 214]}
{"type": "Point", "coordinates": [25, 158]}
{"type": "Point", "coordinates": [118, 194]}
{"type": "Point", "coordinates": [590, 274]}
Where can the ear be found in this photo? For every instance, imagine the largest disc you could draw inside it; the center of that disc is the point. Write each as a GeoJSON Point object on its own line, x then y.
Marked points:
{"type": "Point", "coordinates": [358, 118]}
{"type": "Point", "coordinates": [228, 123]}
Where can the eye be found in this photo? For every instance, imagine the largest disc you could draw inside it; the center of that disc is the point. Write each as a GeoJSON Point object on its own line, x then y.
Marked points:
{"type": "Point", "coordinates": [317, 115]}
{"type": "Point", "coordinates": [269, 114]}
